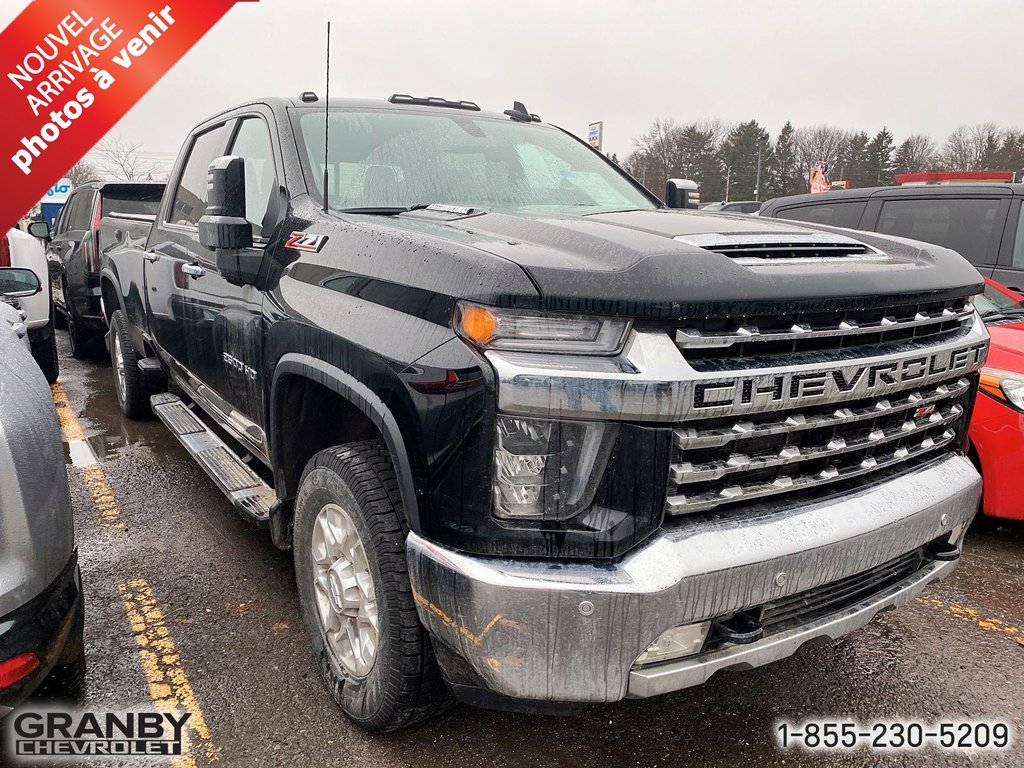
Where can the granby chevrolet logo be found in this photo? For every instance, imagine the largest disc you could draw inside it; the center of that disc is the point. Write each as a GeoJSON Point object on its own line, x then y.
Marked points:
{"type": "Point", "coordinates": [66, 734]}
{"type": "Point", "coordinates": [846, 383]}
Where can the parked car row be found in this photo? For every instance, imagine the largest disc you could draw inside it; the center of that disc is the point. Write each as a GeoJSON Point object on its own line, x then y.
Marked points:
{"type": "Point", "coordinates": [41, 605]}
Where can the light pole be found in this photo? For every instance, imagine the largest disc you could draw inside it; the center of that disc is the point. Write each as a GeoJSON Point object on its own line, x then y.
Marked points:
{"type": "Point", "coordinates": [757, 184]}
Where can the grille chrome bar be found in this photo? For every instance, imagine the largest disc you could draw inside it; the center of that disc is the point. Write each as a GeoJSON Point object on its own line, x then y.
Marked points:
{"type": "Point", "coordinates": [693, 338]}
{"type": "Point", "coordinates": [686, 472]}
{"type": "Point", "coordinates": [681, 504]}
{"type": "Point", "coordinates": [689, 438]}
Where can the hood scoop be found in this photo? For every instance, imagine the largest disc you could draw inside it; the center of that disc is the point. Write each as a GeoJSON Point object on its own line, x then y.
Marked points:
{"type": "Point", "coordinates": [770, 248]}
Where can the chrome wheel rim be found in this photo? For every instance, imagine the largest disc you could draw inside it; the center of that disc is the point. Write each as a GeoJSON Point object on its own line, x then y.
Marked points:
{"type": "Point", "coordinates": [345, 599]}
{"type": "Point", "coordinates": [118, 366]}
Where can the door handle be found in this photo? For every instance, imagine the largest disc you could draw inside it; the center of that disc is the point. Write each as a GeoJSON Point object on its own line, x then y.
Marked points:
{"type": "Point", "coordinates": [151, 256]}
{"type": "Point", "coordinates": [193, 270]}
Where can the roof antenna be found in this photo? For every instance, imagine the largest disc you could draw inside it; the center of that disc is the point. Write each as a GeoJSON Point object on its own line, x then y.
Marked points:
{"type": "Point", "coordinates": [327, 121]}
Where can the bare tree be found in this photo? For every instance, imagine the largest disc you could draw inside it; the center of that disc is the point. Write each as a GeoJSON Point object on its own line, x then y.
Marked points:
{"type": "Point", "coordinates": [81, 172]}
{"type": "Point", "coordinates": [717, 128]}
{"type": "Point", "coordinates": [125, 160]}
{"type": "Point", "coordinates": [657, 154]}
{"type": "Point", "coordinates": [821, 142]}
{"type": "Point", "coordinates": [917, 153]}
{"type": "Point", "coordinates": [971, 147]}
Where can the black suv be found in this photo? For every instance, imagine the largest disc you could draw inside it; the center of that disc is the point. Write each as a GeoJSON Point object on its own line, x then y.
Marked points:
{"type": "Point", "coordinates": [75, 251]}
{"type": "Point", "coordinates": [982, 222]}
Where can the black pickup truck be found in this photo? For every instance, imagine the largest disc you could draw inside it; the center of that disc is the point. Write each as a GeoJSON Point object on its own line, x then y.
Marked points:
{"type": "Point", "coordinates": [535, 439]}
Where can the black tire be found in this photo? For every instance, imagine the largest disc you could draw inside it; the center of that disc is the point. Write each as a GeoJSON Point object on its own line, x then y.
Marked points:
{"type": "Point", "coordinates": [45, 353]}
{"type": "Point", "coordinates": [404, 685]}
{"type": "Point", "coordinates": [137, 388]}
{"type": "Point", "coordinates": [84, 342]}
{"type": "Point", "coordinates": [66, 681]}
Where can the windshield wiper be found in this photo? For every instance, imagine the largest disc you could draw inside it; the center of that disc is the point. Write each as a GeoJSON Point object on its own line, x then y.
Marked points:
{"type": "Point", "coordinates": [395, 210]}
{"type": "Point", "coordinates": [1001, 314]}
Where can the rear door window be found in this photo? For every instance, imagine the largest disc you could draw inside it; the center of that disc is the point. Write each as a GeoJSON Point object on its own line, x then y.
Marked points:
{"type": "Point", "coordinates": [79, 217]}
{"type": "Point", "coordinates": [972, 228]}
{"type": "Point", "coordinates": [191, 196]}
{"type": "Point", "coordinates": [832, 214]}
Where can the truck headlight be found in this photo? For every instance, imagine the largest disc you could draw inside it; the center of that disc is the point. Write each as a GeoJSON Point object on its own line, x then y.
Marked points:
{"type": "Point", "coordinates": [522, 331]}
{"type": "Point", "coordinates": [548, 470]}
{"type": "Point", "coordinates": [1005, 386]}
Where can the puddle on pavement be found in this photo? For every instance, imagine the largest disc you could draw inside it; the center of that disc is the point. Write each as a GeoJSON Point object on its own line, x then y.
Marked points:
{"type": "Point", "coordinates": [108, 433]}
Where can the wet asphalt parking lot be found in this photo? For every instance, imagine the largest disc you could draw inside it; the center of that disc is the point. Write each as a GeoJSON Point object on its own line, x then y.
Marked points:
{"type": "Point", "coordinates": [189, 604]}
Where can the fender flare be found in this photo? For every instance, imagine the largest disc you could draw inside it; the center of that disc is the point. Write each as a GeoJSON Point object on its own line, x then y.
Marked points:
{"type": "Point", "coordinates": [108, 274]}
{"type": "Point", "coordinates": [363, 398]}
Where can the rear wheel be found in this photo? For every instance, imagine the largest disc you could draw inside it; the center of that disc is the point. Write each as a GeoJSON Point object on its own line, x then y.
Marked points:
{"type": "Point", "coordinates": [374, 655]}
{"type": "Point", "coordinates": [84, 342]}
{"type": "Point", "coordinates": [132, 386]}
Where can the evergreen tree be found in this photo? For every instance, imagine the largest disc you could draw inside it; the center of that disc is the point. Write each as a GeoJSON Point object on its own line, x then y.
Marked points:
{"type": "Point", "coordinates": [1011, 153]}
{"type": "Point", "coordinates": [880, 151]}
{"type": "Point", "coordinates": [856, 166]}
{"type": "Point", "coordinates": [785, 174]}
{"type": "Point", "coordinates": [700, 161]}
{"type": "Point", "coordinates": [740, 151]}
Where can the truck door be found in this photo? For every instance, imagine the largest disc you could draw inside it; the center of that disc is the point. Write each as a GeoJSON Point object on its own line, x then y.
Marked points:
{"type": "Point", "coordinates": [228, 350]}
{"type": "Point", "coordinates": [174, 250]}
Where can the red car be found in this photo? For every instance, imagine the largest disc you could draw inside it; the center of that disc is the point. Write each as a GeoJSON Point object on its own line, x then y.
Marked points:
{"type": "Point", "coordinates": [997, 428]}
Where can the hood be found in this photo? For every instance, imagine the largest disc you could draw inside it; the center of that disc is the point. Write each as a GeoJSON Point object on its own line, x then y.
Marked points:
{"type": "Point", "coordinates": [1007, 347]}
{"type": "Point", "coordinates": [635, 263]}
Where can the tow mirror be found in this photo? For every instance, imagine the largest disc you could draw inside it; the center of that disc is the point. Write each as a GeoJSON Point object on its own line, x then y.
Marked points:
{"type": "Point", "coordinates": [682, 193]}
{"type": "Point", "coordinates": [18, 283]}
{"type": "Point", "coordinates": [40, 229]}
{"type": "Point", "coordinates": [223, 228]}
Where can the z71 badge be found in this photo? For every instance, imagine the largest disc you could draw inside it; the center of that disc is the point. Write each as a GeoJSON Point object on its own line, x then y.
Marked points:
{"type": "Point", "coordinates": [300, 241]}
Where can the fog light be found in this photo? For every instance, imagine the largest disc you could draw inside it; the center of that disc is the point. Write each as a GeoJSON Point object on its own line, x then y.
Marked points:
{"type": "Point", "coordinates": [676, 643]}
{"type": "Point", "coordinates": [548, 470]}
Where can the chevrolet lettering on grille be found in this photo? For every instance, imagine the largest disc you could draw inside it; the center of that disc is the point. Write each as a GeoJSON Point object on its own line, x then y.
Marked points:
{"type": "Point", "coordinates": [837, 382]}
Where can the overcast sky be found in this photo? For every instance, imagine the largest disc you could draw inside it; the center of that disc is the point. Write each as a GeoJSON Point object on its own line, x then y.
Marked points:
{"type": "Point", "coordinates": [916, 65]}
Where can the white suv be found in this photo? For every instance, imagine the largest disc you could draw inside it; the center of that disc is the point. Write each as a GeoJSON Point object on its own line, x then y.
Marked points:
{"type": "Point", "coordinates": [18, 249]}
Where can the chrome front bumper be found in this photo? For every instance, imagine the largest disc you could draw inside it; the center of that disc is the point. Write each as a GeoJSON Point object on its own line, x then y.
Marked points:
{"type": "Point", "coordinates": [570, 632]}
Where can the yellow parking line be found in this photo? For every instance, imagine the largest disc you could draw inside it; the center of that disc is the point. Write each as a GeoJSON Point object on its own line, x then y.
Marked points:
{"type": "Point", "coordinates": [168, 684]}
{"type": "Point", "coordinates": [972, 616]}
{"type": "Point", "coordinates": [95, 478]}
{"type": "Point", "coordinates": [68, 422]}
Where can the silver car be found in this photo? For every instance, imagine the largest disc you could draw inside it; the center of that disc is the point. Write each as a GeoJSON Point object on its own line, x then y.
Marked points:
{"type": "Point", "coordinates": [41, 606]}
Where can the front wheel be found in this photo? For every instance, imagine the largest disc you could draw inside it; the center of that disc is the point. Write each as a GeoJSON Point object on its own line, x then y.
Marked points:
{"type": "Point", "coordinates": [374, 655]}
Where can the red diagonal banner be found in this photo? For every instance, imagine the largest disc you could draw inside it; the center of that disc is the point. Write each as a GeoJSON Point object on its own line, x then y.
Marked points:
{"type": "Point", "coordinates": [70, 69]}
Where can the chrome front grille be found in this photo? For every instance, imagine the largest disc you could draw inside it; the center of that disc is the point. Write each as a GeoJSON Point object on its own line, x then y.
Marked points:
{"type": "Point", "coordinates": [726, 461]}
{"type": "Point", "coordinates": [759, 341]}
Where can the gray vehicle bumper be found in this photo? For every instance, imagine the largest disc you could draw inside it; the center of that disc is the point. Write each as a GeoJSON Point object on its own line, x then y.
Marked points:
{"type": "Point", "coordinates": [571, 632]}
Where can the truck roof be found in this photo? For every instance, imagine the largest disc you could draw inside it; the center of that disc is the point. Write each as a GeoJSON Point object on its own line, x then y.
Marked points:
{"type": "Point", "coordinates": [284, 103]}
{"type": "Point", "coordinates": [914, 190]}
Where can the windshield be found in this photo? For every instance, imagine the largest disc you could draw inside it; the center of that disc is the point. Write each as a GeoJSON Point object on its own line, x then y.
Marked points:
{"type": "Point", "coordinates": [381, 159]}
{"type": "Point", "coordinates": [994, 301]}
